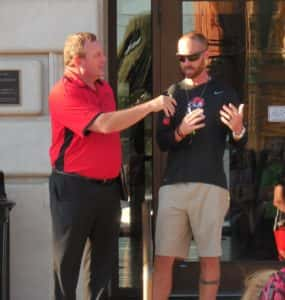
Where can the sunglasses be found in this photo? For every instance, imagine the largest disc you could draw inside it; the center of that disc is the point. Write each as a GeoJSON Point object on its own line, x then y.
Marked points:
{"type": "Point", "coordinates": [191, 57]}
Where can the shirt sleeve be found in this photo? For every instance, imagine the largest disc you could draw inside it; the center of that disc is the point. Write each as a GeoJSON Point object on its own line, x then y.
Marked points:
{"type": "Point", "coordinates": [165, 134]}
{"type": "Point", "coordinates": [75, 111]}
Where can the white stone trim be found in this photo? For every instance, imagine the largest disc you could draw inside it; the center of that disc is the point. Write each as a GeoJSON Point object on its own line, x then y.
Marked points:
{"type": "Point", "coordinates": [25, 145]}
{"type": "Point", "coordinates": [56, 68]}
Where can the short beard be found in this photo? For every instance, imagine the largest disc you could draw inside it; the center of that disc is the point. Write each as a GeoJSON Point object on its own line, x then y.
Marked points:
{"type": "Point", "coordinates": [197, 71]}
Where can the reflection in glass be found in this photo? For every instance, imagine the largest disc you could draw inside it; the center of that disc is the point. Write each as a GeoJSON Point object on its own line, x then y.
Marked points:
{"type": "Point", "coordinates": [247, 40]}
{"type": "Point", "coordinates": [134, 50]}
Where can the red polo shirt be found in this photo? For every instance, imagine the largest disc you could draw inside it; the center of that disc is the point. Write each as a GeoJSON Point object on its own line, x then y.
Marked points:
{"type": "Point", "coordinates": [73, 107]}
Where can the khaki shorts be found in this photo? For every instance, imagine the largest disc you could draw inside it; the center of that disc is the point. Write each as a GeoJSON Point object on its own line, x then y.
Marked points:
{"type": "Point", "coordinates": [186, 210]}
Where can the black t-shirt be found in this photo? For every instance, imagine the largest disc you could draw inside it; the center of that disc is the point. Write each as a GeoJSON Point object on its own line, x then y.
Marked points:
{"type": "Point", "coordinates": [199, 156]}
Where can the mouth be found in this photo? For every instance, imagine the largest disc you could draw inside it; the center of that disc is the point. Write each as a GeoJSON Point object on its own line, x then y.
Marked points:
{"type": "Point", "coordinates": [189, 69]}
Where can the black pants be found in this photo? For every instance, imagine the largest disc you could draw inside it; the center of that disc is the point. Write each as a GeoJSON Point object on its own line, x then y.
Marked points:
{"type": "Point", "coordinates": [83, 213]}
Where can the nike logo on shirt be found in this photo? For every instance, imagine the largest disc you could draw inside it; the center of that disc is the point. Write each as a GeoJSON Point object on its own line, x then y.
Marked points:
{"type": "Point", "coordinates": [218, 92]}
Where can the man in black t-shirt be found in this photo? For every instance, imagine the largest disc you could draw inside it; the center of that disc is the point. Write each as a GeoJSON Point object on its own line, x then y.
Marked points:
{"type": "Point", "coordinates": [193, 198]}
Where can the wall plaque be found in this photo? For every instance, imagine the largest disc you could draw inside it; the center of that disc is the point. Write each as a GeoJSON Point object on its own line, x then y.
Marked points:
{"type": "Point", "coordinates": [9, 87]}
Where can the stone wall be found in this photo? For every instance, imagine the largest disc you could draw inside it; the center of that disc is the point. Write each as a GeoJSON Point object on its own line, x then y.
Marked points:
{"type": "Point", "coordinates": [32, 37]}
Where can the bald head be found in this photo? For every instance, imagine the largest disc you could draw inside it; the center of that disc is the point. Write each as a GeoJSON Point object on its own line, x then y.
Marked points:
{"type": "Point", "coordinates": [192, 42]}
{"type": "Point", "coordinates": [193, 55]}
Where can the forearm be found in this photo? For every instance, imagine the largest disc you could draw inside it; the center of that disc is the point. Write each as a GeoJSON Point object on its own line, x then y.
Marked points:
{"type": "Point", "coordinates": [281, 207]}
{"type": "Point", "coordinates": [278, 199]}
{"type": "Point", "coordinates": [121, 119]}
{"type": "Point", "coordinates": [178, 134]}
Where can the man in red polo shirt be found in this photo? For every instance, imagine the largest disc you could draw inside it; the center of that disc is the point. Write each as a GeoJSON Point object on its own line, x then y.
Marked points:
{"type": "Point", "coordinates": [86, 158]}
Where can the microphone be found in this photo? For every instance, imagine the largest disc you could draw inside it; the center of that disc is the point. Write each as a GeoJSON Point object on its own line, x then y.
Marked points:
{"type": "Point", "coordinates": [195, 103]}
{"type": "Point", "coordinates": [166, 119]}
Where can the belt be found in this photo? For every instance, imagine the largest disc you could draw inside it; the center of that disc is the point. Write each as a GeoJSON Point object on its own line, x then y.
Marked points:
{"type": "Point", "coordinates": [94, 180]}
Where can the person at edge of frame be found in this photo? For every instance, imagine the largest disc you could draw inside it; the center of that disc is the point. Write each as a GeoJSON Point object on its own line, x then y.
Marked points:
{"type": "Point", "coordinates": [193, 197]}
{"type": "Point", "coordinates": [279, 202]}
{"type": "Point", "coordinates": [278, 192]}
{"type": "Point", "coordinates": [85, 155]}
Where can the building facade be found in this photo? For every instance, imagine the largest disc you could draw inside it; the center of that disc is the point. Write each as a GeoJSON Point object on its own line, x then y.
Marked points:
{"type": "Point", "coordinates": [247, 49]}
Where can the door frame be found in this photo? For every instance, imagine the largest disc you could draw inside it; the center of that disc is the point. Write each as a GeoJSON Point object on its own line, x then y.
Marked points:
{"type": "Point", "coordinates": [163, 61]}
{"type": "Point", "coordinates": [167, 21]}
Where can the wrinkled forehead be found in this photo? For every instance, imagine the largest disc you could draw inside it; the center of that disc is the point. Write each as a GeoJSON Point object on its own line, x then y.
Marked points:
{"type": "Point", "coordinates": [188, 46]}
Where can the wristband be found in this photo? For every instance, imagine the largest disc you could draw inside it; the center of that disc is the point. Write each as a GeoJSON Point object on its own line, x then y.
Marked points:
{"type": "Point", "coordinates": [240, 135]}
{"type": "Point", "coordinates": [179, 133]}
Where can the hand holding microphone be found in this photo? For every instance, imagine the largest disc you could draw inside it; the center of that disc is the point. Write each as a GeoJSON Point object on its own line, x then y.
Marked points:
{"type": "Point", "coordinates": [191, 122]}
{"type": "Point", "coordinates": [167, 117]}
{"type": "Point", "coordinates": [165, 103]}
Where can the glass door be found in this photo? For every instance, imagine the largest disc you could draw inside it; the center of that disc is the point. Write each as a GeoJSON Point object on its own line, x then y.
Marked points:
{"type": "Point", "coordinates": [247, 50]}
{"type": "Point", "coordinates": [132, 68]}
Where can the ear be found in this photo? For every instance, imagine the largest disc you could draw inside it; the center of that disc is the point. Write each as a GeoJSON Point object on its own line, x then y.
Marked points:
{"type": "Point", "coordinates": [206, 57]}
{"type": "Point", "coordinates": [206, 54]}
{"type": "Point", "coordinates": [76, 61]}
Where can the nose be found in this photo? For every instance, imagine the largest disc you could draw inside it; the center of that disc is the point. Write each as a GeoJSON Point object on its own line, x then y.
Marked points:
{"type": "Point", "coordinates": [187, 62]}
